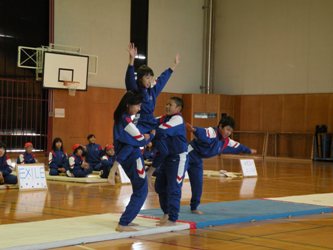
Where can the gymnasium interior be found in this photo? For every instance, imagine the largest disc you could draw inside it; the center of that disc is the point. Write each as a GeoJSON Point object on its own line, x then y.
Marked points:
{"type": "Point", "coordinates": [266, 63]}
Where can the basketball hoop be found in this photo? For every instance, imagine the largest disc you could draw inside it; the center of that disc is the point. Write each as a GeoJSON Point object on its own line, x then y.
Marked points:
{"type": "Point", "coordinates": [72, 86]}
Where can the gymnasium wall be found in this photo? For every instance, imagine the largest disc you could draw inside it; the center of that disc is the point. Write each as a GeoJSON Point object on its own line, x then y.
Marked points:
{"type": "Point", "coordinates": [273, 47]}
{"type": "Point", "coordinates": [90, 112]}
{"type": "Point", "coordinates": [102, 28]}
{"type": "Point", "coordinates": [177, 26]}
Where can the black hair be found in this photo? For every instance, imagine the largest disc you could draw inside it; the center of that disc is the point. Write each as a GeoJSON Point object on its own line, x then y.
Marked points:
{"type": "Point", "coordinates": [227, 121]}
{"type": "Point", "coordinates": [57, 139]}
{"type": "Point", "coordinates": [3, 145]}
{"type": "Point", "coordinates": [79, 147]}
{"type": "Point", "coordinates": [144, 70]}
{"type": "Point", "coordinates": [179, 101]}
{"type": "Point", "coordinates": [130, 98]}
{"type": "Point", "coordinates": [90, 135]}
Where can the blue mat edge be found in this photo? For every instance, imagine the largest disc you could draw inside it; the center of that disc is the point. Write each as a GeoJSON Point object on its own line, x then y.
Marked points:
{"type": "Point", "coordinates": [262, 218]}
{"type": "Point", "coordinates": [318, 209]}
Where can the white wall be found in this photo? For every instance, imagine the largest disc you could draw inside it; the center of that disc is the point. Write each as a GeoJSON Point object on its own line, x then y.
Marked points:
{"type": "Point", "coordinates": [100, 27]}
{"type": "Point", "coordinates": [177, 26]}
{"type": "Point", "coordinates": [274, 46]}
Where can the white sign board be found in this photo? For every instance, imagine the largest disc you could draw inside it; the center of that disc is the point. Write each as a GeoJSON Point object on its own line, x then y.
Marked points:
{"type": "Point", "coordinates": [31, 176]}
{"type": "Point", "coordinates": [248, 167]}
{"type": "Point", "coordinates": [59, 113]}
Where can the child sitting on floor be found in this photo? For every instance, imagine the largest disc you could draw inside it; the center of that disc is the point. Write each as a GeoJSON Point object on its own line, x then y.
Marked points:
{"type": "Point", "coordinates": [57, 158]}
{"type": "Point", "coordinates": [107, 160]}
{"type": "Point", "coordinates": [77, 166]}
{"type": "Point", "coordinates": [27, 157]}
{"type": "Point", "coordinates": [5, 169]}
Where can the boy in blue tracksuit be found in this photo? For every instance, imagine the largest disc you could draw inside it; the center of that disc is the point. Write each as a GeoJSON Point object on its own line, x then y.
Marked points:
{"type": "Point", "coordinates": [127, 142]}
{"type": "Point", "coordinates": [209, 142]}
{"type": "Point", "coordinates": [77, 166]}
{"type": "Point", "coordinates": [94, 153]}
{"type": "Point", "coordinates": [5, 169]}
{"type": "Point", "coordinates": [57, 158]}
{"type": "Point", "coordinates": [107, 160]}
{"type": "Point", "coordinates": [27, 157]}
{"type": "Point", "coordinates": [144, 85]}
{"type": "Point", "coordinates": [171, 144]}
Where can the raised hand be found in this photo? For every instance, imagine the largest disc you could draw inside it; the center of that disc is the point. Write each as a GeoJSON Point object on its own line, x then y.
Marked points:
{"type": "Point", "coordinates": [132, 51]}
{"type": "Point", "coordinates": [176, 62]}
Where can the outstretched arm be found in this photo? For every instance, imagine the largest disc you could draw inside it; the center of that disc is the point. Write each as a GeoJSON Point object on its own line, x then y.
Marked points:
{"type": "Point", "coordinates": [164, 77]}
{"type": "Point", "coordinates": [235, 147]}
{"type": "Point", "coordinates": [130, 77]}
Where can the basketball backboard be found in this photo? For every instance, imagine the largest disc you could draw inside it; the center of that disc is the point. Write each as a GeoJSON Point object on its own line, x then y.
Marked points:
{"type": "Point", "coordinates": [63, 67]}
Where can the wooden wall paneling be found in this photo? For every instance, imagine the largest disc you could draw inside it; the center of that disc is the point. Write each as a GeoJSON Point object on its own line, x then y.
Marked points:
{"type": "Point", "coordinates": [330, 114]}
{"type": "Point", "coordinates": [294, 145]}
{"type": "Point", "coordinates": [227, 105]}
{"type": "Point", "coordinates": [237, 111]}
{"type": "Point", "coordinates": [271, 117]}
{"type": "Point", "coordinates": [87, 112]}
{"type": "Point", "coordinates": [250, 113]}
{"type": "Point", "coordinates": [317, 110]}
{"type": "Point", "coordinates": [206, 103]}
{"type": "Point", "coordinates": [294, 113]}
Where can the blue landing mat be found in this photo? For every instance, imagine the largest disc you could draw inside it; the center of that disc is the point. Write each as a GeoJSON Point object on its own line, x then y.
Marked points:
{"type": "Point", "coordinates": [232, 212]}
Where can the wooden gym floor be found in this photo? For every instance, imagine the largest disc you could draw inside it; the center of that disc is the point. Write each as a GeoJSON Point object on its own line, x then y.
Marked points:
{"type": "Point", "coordinates": [276, 178]}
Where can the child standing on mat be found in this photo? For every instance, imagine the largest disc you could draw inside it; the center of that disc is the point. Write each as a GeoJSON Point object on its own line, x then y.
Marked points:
{"type": "Point", "coordinates": [5, 169]}
{"type": "Point", "coordinates": [171, 144]}
{"type": "Point", "coordinates": [27, 157]}
{"type": "Point", "coordinates": [128, 137]}
{"type": "Point", "coordinates": [57, 158]}
{"type": "Point", "coordinates": [107, 160]}
{"type": "Point", "coordinates": [145, 85]}
{"type": "Point", "coordinates": [209, 142]}
{"type": "Point", "coordinates": [77, 166]}
{"type": "Point", "coordinates": [94, 153]}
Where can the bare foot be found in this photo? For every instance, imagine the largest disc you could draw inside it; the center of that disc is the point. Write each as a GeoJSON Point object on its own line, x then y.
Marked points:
{"type": "Point", "coordinates": [164, 218]}
{"type": "Point", "coordinates": [121, 228]}
{"type": "Point", "coordinates": [196, 212]}
{"type": "Point", "coordinates": [133, 224]}
{"type": "Point", "coordinates": [167, 223]}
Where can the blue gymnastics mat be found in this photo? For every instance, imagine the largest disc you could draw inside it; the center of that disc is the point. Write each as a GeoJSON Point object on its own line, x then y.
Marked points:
{"type": "Point", "coordinates": [232, 212]}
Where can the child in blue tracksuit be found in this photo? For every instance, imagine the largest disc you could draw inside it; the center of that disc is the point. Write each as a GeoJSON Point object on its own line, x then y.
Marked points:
{"type": "Point", "coordinates": [149, 90]}
{"type": "Point", "coordinates": [127, 142]}
{"type": "Point", "coordinates": [57, 158]}
{"type": "Point", "coordinates": [107, 160]}
{"type": "Point", "coordinates": [94, 153]}
{"type": "Point", "coordinates": [77, 166]}
{"type": "Point", "coordinates": [5, 169]}
{"type": "Point", "coordinates": [171, 144]}
{"type": "Point", "coordinates": [209, 142]}
{"type": "Point", "coordinates": [27, 157]}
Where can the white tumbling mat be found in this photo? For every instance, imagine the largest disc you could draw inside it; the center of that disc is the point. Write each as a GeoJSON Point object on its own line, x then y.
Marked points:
{"type": "Point", "coordinates": [73, 231]}
{"type": "Point", "coordinates": [90, 179]}
{"type": "Point", "coordinates": [313, 199]}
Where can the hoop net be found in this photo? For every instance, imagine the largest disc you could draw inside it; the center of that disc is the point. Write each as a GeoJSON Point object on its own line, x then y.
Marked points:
{"type": "Point", "coordinates": [72, 86]}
